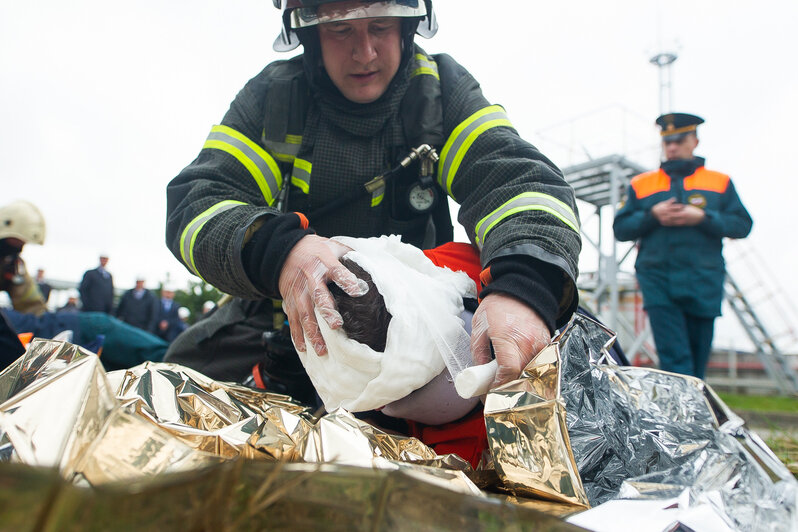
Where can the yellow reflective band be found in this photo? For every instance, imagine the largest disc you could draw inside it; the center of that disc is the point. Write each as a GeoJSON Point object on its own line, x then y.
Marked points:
{"type": "Point", "coordinates": [461, 139]}
{"type": "Point", "coordinates": [301, 185]}
{"type": "Point", "coordinates": [286, 152]}
{"type": "Point", "coordinates": [189, 235]}
{"type": "Point", "coordinates": [378, 190]}
{"type": "Point", "coordinates": [284, 157]}
{"type": "Point", "coordinates": [425, 65]}
{"type": "Point", "coordinates": [256, 160]}
{"type": "Point", "coordinates": [300, 176]}
{"type": "Point", "coordinates": [528, 201]}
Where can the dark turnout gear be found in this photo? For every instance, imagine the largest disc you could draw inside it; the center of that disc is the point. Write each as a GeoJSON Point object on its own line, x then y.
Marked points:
{"type": "Point", "coordinates": [290, 139]}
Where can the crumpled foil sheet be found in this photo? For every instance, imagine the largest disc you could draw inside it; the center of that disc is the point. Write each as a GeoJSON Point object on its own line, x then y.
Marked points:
{"type": "Point", "coordinates": [578, 428]}
{"type": "Point", "coordinates": [213, 417]}
{"type": "Point", "coordinates": [64, 411]}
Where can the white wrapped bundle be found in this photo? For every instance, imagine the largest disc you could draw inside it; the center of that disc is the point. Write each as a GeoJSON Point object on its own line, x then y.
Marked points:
{"type": "Point", "coordinates": [426, 334]}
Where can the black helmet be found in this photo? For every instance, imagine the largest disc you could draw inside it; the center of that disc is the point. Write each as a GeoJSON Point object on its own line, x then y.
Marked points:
{"type": "Point", "coordinates": [298, 14]}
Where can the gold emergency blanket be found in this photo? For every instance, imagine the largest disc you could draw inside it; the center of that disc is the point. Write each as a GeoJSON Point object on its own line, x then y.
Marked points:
{"type": "Point", "coordinates": [62, 410]}
{"type": "Point", "coordinates": [163, 446]}
{"type": "Point", "coordinates": [528, 433]}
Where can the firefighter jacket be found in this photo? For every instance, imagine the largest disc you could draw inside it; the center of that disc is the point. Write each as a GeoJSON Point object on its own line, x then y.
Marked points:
{"type": "Point", "coordinates": [24, 293]}
{"type": "Point", "coordinates": [291, 140]}
{"type": "Point", "coordinates": [682, 266]}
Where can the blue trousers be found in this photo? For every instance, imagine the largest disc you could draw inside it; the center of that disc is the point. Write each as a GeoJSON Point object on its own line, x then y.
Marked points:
{"type": "Point", "coordinates": [684, 341]}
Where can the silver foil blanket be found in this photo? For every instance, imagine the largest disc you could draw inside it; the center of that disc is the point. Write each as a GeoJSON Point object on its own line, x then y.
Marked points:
{"type": "Point", "coordinates": [644, 433]}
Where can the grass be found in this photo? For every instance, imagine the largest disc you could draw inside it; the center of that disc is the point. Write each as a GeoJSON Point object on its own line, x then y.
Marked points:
{"type": "Point", "coordinates": [785, 446]}
{"type": "Point", "coordinates": [761, 403]}
{"type": "Point", "coordinates": [783, 441]}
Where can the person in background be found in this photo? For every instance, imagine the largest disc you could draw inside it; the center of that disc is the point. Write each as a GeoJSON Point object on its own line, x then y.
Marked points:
{"type": "Point", "coordinates": [169, 324]}
{"type": "Point", "coordinates": [289, 165]}
{"type": "Point", "coordinates": [184, 314]}
{"type": "Point", "coordinates": [73, 300]}
{"type": "Point", "coordinates": [22, 223]}
{"type": "Point", "coordinates": [680, 215]}
{"type": "Point", "coordinates": [139, 307]}
{"type": "Point", "coordinates": [97, 289]}
{"type": "Point", "coordinates": [44, 286]}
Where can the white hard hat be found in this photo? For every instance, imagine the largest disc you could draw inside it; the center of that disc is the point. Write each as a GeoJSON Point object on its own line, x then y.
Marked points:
{"type": "Point", "coordinates": [183, 313]}
{"type": "Point", "coordinates": [23, 220]}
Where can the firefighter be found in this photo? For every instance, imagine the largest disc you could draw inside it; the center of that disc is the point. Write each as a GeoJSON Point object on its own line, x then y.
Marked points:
{"type": "Point", "coordinates": [252, 214]}
{"type": "Point", "coordinates": [22, 223]}
{"type": "Point", "coordinates": [680, 214]}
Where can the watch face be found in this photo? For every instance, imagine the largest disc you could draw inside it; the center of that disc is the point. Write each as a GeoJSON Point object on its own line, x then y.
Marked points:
{"type": "Point", "coordinates": [421, 200]}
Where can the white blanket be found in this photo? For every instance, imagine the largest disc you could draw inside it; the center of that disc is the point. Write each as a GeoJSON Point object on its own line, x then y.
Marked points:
{"type": "Point", "coordinates": [425, 334]}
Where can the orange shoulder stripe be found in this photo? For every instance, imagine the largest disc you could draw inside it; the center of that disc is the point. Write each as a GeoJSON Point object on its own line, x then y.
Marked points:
{"type": "Point", "coordinates": [709, 180]}
{"type": "Point", "coordinates": [650, 183]}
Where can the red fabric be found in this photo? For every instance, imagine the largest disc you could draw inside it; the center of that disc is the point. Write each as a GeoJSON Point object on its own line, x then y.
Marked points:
{"type": "Point", "coordinates": [257, 377]}
{"type": "Point", "coordinates": [467, 436]}
{"type": "Point", "coordinates": [457, 256]}
{"type": "Point", "coordinates": [303, 220]}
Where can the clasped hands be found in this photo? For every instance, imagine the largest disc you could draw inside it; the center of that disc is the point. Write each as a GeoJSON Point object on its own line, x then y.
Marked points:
{"type": "Point", "coordinates": [514, 330]}
{"type": "Point", "coordinates": [672, 214]}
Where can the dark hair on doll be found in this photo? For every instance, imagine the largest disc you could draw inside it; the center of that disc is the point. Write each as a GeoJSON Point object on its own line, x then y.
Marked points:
{"type": "Point", "coordinates": [365, 318]}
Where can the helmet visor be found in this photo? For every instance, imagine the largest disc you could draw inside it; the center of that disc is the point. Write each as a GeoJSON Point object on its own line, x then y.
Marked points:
{"type": "Point", "coordinates": [303, 17]}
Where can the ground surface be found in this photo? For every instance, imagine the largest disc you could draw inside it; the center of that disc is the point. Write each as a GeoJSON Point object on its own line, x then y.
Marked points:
{"type": "Point", "coordinates": [775, 419]}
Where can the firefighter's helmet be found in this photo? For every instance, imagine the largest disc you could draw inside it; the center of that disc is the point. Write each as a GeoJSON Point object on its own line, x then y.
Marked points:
{"type": "Point", "coordinates": [298, 14]}
{"type": "Point", "coordinates": [23, 220]}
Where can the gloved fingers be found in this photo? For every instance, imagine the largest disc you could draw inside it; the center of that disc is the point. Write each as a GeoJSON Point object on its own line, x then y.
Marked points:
{"type": "Point", "coordinates": [325, 304]}
{"type": "Point", "coordinates": [295, 327]}
{"type": "Point", "coordinates": [480, 338]}
{"type": "Point", "coordinates": [514, 330]}
{"type": "Point", "coordinates": [347, 281]}
{"type": "Point", "coordinates": [302, 324]}
{"type": "Point", "coordinates": [511, 362]}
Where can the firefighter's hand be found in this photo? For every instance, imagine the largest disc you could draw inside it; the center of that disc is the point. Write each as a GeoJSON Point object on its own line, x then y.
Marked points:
{"type": "Point", "coordinates": [515, 331]}
{"type": "Point", "coordinates": [311, 264]}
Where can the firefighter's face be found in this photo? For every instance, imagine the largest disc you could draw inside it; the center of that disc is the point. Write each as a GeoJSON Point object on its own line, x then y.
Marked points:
{"type": "Point", "coordinates": [361, 56]}
{"type": "Point", "coordinates": [680, 149]}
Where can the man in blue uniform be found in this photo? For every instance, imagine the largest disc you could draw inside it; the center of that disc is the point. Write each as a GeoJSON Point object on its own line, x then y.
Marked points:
{"type": "Point", "coordinates": [680, 215]}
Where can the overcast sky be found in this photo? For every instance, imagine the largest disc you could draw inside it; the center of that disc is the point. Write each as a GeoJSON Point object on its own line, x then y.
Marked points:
{"type": "Point", "coordinates": [103, 103]}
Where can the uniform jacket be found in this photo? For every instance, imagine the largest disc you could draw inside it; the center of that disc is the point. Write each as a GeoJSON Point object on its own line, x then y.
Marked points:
{"type": "Point", "coordinates": [97, 292]}
{"type": "Point", "coordinates": [172, 318]}
{"type": "Point", "coordinates": [140, 312]}
{"type": "Point", "coordinates": [682, 265]}
{"type": "Point", "coordinates": [25, 296]}
{"type": "Point", "coordinates": [514, 203]}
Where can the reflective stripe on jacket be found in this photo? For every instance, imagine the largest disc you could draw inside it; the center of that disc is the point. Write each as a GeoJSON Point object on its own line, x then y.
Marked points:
{"type": "Point", "coordinates": [513, 201]}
